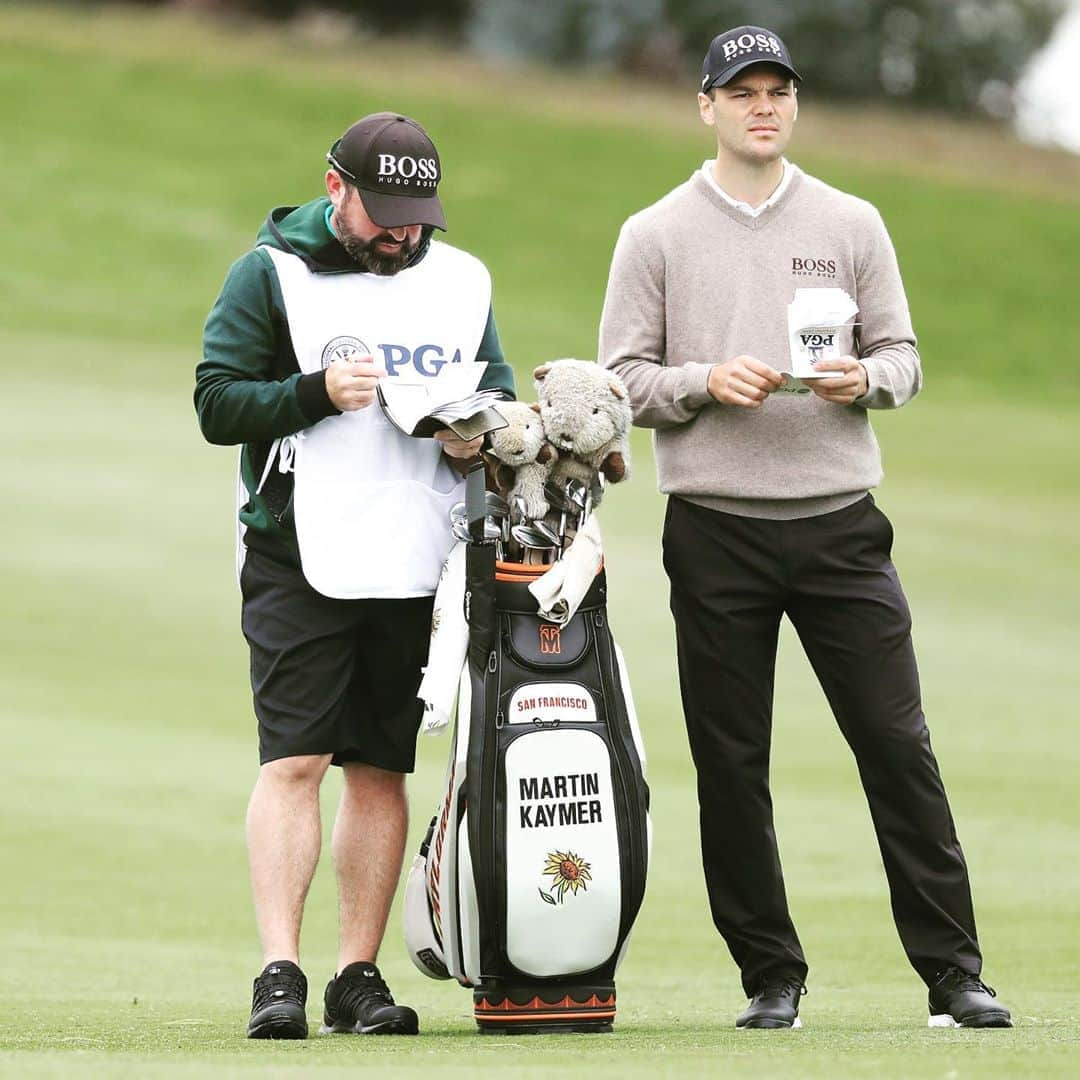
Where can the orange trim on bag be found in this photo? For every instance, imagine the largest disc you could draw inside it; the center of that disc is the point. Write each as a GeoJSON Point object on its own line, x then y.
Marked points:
{"type": "Point", "coordinates": [514, 571]}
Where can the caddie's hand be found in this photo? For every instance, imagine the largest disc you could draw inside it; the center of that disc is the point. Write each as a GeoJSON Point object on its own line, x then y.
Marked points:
{"type": "Point", "coordinates": [744, 381]}
{"type": "Point", "coordinates": [463, 449]}
{"type": "Point", "coordinates": [840, 389]}
{"type": "Point", "coordinates": [350, 384]}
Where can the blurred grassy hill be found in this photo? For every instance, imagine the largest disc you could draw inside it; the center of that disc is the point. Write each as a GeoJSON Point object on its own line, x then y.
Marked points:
{"type": "Point", "coordinates": [142, 150]}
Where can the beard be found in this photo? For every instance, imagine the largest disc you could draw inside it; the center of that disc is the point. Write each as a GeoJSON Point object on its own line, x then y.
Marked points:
{"type": "Point", "coordinates": [366, 255]}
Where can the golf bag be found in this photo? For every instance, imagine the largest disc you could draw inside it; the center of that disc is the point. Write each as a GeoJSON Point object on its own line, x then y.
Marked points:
{"type": "Point", "coordinates": [532, 873]}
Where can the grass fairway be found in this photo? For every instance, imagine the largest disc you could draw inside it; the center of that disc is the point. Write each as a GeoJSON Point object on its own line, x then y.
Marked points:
{"type": "Point", "coordinates": [140, 155]}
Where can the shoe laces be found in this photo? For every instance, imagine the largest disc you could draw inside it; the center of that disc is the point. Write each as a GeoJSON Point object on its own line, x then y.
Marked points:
{"type": "Point", "coordinates": [279, 983]}
{"type": "Point", "coordinates": [779, 985]}
{"type": "Point", "coordinates": [960, 981]}
{"type": "Point", "coordinates": [353, 992]}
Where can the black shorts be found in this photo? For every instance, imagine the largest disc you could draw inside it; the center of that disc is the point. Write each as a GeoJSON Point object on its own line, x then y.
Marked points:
{"type": "Point", "coordinates": [333, 676]}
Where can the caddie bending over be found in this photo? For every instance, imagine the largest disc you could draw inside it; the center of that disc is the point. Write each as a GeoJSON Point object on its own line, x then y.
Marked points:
{"type": "Point", "coordinates": [344, 530]}
{"type": "Point", "coordinates": [746, 275]}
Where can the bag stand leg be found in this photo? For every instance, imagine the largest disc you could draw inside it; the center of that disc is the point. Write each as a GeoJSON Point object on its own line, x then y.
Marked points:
{"type": "Point", "coordinates": [558, 1008]}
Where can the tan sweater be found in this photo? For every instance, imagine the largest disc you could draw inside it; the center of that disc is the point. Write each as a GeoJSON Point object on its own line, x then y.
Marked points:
{"type": "Point", "coordinates": [694, 282]}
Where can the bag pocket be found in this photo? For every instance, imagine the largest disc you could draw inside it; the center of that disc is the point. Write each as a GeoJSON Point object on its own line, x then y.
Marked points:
{"type": "Point", "coordinates": [537, 644]}
{"type": "Point", "coordinates": [563, 864]}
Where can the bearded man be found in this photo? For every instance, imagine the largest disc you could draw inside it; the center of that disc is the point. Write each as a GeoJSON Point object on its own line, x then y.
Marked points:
{"type": "Point", "coordinates": [343, 531]}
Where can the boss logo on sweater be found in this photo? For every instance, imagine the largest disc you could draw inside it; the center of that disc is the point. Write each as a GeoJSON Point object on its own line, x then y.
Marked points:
{"type": "Point", "coordinates": [426, 359]}
{"type": "Point", "coordinates": [408, 171]}
{"type": "Point", "coordinates": [802, 267]}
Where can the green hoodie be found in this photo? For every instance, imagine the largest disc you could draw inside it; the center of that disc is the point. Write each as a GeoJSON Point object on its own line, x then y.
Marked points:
{"type": "Point", "coordinates": [248, 387]}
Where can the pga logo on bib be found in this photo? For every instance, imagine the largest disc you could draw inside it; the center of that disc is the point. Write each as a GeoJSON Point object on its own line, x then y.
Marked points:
{"type": "Point", "coordinates": [426, 359]}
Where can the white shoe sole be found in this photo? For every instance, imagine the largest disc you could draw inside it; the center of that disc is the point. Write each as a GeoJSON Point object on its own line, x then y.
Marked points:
{"type": "Point", "coordinates": [942, 1020]}
{"type": "Point", "coordinates": [988, 1020]}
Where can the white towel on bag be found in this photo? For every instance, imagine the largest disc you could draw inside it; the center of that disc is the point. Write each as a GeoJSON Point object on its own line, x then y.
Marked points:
{"type": "Point", "coordinates": [448, 648]}
{"type": "Point", "coordinates": [560, 591]}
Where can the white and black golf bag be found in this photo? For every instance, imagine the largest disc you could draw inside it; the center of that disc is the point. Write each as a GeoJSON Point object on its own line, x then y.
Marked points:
{"type": "Point", "coordinates": [532, 873]}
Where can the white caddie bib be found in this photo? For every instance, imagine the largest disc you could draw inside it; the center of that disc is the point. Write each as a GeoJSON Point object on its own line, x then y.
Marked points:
{"type": "Point", "coordinates": [371, 504]}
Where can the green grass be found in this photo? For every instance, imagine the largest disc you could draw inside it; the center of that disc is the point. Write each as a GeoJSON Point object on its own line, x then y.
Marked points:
{"type": "Point", "coordinates": [140, 155]}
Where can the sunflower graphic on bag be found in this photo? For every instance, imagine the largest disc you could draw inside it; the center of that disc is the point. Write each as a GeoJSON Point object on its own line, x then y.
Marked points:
{"type": "Point", "coordinates": [570, 873]}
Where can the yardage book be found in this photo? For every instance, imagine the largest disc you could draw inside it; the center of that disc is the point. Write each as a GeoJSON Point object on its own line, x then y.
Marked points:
{"type": "Point", "coordinates": [817, 319]}
{"type": "Point", "coordinates": [818, 329]}
{"type": "Point", "coordinates": [446, 400]}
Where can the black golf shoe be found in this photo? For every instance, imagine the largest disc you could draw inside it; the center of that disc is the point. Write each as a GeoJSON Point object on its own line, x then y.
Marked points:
{"type": "Point", "coordinates": [958, 999]}
{"type": "Point", "coordinates": [277, 1003]}
{"type": "Point", "coordinates": [358, 1002]}
{"type": "Point", "coordinates": [775, 1004]}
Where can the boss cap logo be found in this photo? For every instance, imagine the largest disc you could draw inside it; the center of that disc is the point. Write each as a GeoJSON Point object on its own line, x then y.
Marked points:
{"type": "Point", "coordinates": [408, 171]}
{"type": "Point", "coordinates": [747, 43]}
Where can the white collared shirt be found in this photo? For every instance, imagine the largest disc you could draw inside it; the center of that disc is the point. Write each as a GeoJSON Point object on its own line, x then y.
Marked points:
{"type": "Point", "coordinates": [745, 207]}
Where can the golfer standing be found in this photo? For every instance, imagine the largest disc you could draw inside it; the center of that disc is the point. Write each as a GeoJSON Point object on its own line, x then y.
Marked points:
{"type": "Point", "coordinates": [343, 532]}
{"type": "Point", "coordinates": [769, 513]}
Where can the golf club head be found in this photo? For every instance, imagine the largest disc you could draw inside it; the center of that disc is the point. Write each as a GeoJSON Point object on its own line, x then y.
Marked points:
{"type": "Point", "coordinates": [575, 494]}
{"type": "Point", "coordinates": [460, 528]}
{"type": "Point", "coordinates": [555, 496]}
{"type": "Point", "coordinates": [528, 536]}
{"type": "Point", "coordinates": [542, 528]}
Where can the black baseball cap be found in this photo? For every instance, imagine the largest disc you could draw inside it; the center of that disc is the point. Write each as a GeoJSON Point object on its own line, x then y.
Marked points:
{"type": "Point", "coordinates": [736, 49]}
{"type": "Point", "coordinates": [394, 163]}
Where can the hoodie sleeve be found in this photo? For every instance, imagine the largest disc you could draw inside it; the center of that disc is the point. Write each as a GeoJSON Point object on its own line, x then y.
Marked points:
{"type": "Point", "coordinates": [499, 374]}
{"type": "Point", "coordinates": [241, 395]}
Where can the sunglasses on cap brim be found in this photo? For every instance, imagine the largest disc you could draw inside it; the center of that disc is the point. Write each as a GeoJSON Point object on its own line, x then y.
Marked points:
{"type": "Point", "coordinates": [351, 177]}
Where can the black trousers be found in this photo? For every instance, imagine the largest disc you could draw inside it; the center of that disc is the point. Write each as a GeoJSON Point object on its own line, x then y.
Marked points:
{"type": "Point", "coordinates": [732, 579]}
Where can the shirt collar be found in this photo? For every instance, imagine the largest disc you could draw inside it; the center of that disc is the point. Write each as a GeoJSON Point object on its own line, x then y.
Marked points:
{"type": "Point", "coordinates": [745, 207]}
